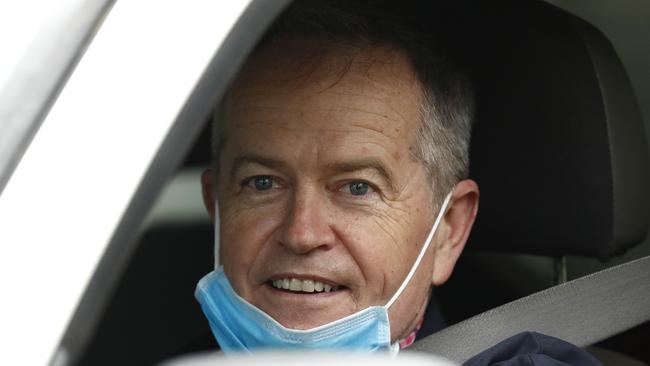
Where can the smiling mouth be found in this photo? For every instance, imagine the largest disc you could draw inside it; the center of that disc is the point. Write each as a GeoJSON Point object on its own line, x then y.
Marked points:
{"type": "Point", "coordinates": [303, 286]}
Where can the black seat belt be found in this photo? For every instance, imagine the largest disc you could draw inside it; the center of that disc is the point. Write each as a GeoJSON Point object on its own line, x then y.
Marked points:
{"type": "Point", "coordinates": [583, 312]}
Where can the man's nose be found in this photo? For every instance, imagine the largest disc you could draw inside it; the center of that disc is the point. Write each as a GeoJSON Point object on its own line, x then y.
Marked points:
{"type": "Point", "coordinates": [307, 225]}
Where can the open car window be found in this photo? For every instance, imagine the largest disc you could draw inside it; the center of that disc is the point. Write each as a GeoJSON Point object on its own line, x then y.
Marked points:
{"type": "Point", "coordinates": [73, 213]}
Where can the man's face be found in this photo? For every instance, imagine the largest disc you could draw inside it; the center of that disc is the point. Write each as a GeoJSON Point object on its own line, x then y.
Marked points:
{"type": "Point", "coordinates": [318, 190]}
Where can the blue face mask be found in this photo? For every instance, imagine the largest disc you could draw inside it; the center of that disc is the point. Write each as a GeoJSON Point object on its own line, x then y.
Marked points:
{"type": "Point", "coordinates": [240, 326]}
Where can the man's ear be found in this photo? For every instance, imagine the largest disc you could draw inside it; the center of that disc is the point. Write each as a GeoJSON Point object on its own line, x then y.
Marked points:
{"type": "Point", "coordinates": [208, 186]}
{"type": "Point", "coordinates": [455, 228]}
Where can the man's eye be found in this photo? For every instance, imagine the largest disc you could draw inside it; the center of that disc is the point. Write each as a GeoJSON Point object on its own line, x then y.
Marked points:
{"type": "Point", "coordinates": [261, 183]}
{"type": "Point", "coordinates": [358, 188]}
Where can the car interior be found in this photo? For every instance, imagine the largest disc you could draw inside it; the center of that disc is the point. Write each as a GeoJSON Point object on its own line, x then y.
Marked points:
{"type": "Point", "coordinates": [559, 151]}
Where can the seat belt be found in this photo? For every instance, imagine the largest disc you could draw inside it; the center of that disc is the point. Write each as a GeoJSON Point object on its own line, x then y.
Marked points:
{"type": "Point", "coordinates": [583, 311]}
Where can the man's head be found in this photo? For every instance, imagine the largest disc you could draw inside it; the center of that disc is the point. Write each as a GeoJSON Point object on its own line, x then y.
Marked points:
{"type": "Point", "coordinates": [338, 141]}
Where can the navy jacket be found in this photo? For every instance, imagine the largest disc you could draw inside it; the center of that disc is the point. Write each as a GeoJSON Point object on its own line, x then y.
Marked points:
{"type": "Point", "coordinates": [531, 348]}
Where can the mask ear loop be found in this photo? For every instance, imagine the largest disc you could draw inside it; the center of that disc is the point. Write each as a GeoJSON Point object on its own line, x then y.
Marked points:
{"type": "Point", "coordinates": [441, 213]}
{"type": "Point", "coordinates": [217, 234]}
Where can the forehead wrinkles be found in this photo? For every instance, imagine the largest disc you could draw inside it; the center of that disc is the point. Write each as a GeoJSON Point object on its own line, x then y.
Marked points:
{"type": "Point", "coordinates": [373, 87]}
{"type": "Point", "coordinates": [297, 113]}
{"type": "Point", "coordinates": [310, 65]}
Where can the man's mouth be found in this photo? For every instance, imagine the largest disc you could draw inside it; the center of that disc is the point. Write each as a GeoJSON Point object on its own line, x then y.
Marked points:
{"type": "Point", "coordinates": [305, 286]}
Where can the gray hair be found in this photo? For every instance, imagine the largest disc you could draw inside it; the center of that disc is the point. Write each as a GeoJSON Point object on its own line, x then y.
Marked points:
{"type": "Point", "coordinates": [447, 110]}
{"type": "Point", "coordinates": [443, 136]}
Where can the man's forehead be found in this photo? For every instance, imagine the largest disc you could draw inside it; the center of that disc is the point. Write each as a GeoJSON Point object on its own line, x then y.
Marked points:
{"type": "Point", "coordinates": [344, 82]}
{"type": "Point", "coordinates": [300, 59]}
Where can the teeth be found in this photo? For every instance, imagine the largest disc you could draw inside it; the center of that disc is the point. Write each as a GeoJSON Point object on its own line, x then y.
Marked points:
{"type": "Point", "coordinates": [296, 285]}
{"type": "Point", "coordinates": [308, 286]}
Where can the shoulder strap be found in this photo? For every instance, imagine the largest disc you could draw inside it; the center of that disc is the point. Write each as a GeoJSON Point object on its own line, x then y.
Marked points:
{"type": "Point", "coordinates": [583, 311]}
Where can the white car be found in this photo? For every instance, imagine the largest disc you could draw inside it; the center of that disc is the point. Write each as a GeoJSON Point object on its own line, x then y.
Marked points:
{"type": "Point", "coordinates": [103, 114]}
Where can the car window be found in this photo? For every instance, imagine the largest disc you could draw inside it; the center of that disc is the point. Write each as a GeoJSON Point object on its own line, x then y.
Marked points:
{"type": "Point", "coordinates": [167, 232]}
{"type": "Point", "coordinates": [78, 207]}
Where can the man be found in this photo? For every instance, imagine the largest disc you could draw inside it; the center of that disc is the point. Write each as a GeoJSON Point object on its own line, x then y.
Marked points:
{"type": "Point", "coordinates": [334, 160]}
{"type": "Point", "coordinates": [340, 188]}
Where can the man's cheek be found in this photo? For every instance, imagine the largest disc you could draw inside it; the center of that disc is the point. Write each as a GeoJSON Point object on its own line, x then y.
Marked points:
{"type": "Point", "coordinates": [240, 212]}
{"type": "Point", "coordinates": [242, 235]}
{"type": "Point", "coordinates": [396, 228]}
{"type": "Point", "coordinates": [376, 245]}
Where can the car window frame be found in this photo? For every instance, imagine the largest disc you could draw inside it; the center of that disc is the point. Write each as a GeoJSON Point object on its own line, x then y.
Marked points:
{"type": "Point", "coordinates": [65, 286]}
{"type": "Point", "coordinates": [33, 85]}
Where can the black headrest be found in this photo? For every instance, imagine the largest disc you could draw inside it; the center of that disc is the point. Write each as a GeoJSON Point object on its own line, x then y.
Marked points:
{"type": "Point", "coordinates": [559, 148]}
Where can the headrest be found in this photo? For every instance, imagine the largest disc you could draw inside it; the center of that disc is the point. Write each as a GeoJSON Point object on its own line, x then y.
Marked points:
{"type": "Point", "coordinates": [559, 148]}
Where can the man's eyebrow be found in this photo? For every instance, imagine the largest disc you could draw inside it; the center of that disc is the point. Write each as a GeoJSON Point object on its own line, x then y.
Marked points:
{"type": "Point", "coordinates": [363, 164]}
{"type": "Point", "coordinates": [242, 160]}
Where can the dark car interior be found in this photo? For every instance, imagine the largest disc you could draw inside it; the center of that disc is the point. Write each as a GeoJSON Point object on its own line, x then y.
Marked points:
{"type": "Point", "coordinates": [558, 150]}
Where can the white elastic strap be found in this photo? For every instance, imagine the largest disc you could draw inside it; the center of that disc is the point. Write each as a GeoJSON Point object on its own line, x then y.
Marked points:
{"type": "Point", "coordinates": [441, 213]}
{"type": "Point", "coordinates": [217, 234]}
